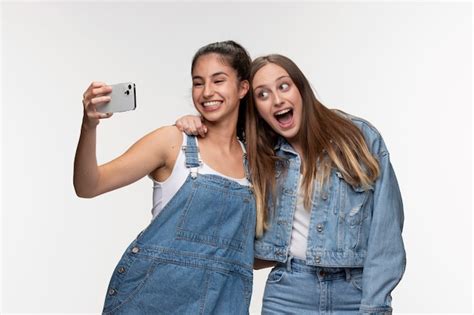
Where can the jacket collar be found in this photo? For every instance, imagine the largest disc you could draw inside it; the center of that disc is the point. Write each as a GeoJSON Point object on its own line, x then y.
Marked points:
{"type": "Point", "coordinates": [283, 145]}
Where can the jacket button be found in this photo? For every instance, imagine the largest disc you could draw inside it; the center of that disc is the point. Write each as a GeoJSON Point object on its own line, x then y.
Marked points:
{"type": "Point", "coordinates": [319, 227]}
{"type": "Point", "coordinates": [135, 250]}
{"type": "Point", "coordinates": [325, 196]}
{"type": "Point", "coordinates": [121, 270]}
{"type": "Point", "coordinates": [112, 291]}
{"type": "Point", "coordinates": [318, 259]}
{"type": "Point", "coordinates": [322, 273]}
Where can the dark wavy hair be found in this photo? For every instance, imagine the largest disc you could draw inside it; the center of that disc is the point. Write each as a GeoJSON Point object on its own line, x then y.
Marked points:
{"type": "Point", "coordinates": [237, 57]}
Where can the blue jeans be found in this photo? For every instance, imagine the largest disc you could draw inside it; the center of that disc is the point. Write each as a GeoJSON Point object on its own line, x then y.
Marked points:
{"type": "Point", "coordinates": [296, 288]}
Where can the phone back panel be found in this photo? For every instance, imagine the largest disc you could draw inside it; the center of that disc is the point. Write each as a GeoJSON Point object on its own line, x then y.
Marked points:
{"type": "Point", "coordinates": [123, 98]}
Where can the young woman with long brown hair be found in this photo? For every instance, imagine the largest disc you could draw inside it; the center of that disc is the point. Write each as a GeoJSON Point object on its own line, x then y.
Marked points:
{"type": "Point", "coordinates": [329, 209]}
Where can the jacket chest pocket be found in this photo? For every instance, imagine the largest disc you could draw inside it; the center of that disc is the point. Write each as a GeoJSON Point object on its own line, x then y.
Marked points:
{"type": "Point", "coordinates": [351, 201]}
{"type": "Point", "coordinates": [352, 209]}
{"type": "Point", "coordinates": [215, 216]}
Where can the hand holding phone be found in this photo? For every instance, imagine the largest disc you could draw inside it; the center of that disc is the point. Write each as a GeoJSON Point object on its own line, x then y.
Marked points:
{"type": "Point", "coordinates": [122, 98]}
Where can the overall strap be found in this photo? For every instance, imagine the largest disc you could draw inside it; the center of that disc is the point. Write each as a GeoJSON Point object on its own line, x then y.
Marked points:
{"type": "Point", "coordinates": [191, 151]}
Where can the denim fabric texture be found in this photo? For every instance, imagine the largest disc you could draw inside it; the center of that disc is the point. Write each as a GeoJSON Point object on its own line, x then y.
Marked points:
{"type": "Point", "coordinates": [195, 257]}
{"type": "Point", "coordinates": [349, 227]}
{"type": "Point", "coordinates": [296, 288]}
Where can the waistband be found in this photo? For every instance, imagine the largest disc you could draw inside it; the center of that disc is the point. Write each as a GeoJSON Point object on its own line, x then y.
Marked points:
{"type": "Point", "coordinates": [323, 273]}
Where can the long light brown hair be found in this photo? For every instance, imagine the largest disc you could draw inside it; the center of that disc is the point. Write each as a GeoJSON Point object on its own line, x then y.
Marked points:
{"type": "Point", "coordinates": [328, 139]}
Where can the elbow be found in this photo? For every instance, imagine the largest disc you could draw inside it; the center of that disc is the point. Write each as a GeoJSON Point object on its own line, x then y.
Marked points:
{"type": "Point", "coordinates": [85, 196]}
{"type": "Point", "coordinates": [84, 193]}
{"type": "Point", "coordinates": [84, 189]}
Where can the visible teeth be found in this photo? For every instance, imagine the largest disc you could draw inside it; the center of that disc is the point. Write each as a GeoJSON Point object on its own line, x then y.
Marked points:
{"type": "Point", "coordinates": [211, 103]}
{"type": "Point", "coordinates": [284, 111]}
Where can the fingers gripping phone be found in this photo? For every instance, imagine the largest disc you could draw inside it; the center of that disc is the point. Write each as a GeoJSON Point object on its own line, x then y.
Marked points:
{"type": "Point", "coordinates": [122, 99]}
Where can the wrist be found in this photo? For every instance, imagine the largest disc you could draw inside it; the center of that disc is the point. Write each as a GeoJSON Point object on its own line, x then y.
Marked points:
{"type": "Point", "coordinates": [88, 124]}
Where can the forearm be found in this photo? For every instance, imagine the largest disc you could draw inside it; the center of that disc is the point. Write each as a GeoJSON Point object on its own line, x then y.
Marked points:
{"type": "Point", "coordinates": [86, 170]}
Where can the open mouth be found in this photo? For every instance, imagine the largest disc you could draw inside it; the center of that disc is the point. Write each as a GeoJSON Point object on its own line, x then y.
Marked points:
{"type": "Point", "coordinates": [284, 117]}
{"type": "Point", "coordinates": [211, 103]}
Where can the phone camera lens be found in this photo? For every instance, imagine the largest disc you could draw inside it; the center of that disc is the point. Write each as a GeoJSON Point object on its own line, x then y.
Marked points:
{"type": "Point", "coordinates": [129, 86]}
{"type": "Point", "coordinates": [127, 92]}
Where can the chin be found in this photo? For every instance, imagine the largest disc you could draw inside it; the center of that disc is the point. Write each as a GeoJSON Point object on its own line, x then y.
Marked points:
{"type": "Point", "coordinates": [287, 134]}
{"type": "Point", "coordinates": [212, 117]}
{"type": "Point", "coordinates": [204, 114]}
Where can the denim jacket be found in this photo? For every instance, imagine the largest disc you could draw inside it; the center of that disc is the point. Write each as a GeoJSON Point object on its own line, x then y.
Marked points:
{"type": "Point", "coordinates": [349, 226]}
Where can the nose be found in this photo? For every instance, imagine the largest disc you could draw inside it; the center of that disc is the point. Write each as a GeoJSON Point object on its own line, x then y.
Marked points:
{"type": "Point", "coordinates": [208, 90]}
{"type": "Point", "coordinates": [278, 99]}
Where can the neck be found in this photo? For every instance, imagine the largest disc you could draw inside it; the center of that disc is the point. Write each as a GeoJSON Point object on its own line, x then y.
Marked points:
{"type": "Point", "coordinates": [221, 135]}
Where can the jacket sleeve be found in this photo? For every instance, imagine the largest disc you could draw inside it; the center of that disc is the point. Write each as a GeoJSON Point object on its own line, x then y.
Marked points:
{"type": "Point", "coordinates": [385, 260]}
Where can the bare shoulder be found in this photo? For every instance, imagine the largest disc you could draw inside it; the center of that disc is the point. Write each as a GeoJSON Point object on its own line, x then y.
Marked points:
{"type": "Point", "coordinates": [166, 139]}
{"type": "Point", "coordinates": [165, 142]}
{"type": "Point", "coordinates": [167, 134]}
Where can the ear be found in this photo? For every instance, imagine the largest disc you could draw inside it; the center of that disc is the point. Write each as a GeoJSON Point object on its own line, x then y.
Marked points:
{"type": "Point", "coordinates": [244, 88]}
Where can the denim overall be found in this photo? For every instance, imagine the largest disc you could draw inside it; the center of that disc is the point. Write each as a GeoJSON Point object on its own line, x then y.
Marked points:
{"type": "Point", "coordinates": [196, 256]}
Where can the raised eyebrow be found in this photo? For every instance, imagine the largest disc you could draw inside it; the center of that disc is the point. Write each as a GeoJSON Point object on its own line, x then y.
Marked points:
{"type": "Point", "coordinates": [283, 76]}
{"type": "Point", "coordinates": [263, 85]}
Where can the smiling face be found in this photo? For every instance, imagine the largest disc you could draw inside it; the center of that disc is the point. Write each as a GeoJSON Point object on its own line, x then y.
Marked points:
{"type": "Point", "coordinates": [278, 100]}
{"type": "Point", "coordinates": [216, 88]}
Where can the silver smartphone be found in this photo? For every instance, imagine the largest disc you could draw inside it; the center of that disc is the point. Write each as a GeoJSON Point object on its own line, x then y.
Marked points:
{"type": "Point", "coordinates": [122, 98]}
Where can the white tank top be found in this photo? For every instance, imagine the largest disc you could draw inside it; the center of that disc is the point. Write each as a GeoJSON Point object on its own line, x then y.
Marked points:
{"type": "Point", "coordinates": [299, 232]}
{"type": "Point", "coordinates": [164, 191]}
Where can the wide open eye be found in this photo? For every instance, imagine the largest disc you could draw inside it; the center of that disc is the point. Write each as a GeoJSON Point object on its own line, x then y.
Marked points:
{"type": "Point", "coordinates": [262, 94]}
{"type": "Point", "coordinates": [284, 86]}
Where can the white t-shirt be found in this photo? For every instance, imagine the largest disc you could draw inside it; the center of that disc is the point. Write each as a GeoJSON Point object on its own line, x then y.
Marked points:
{"type": "Point", "coordinates": [164, 191]}
{"type": "Point", "coordinates": [299, 232]}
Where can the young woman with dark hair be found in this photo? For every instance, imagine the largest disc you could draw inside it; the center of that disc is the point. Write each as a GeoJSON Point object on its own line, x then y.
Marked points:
{"type": "Point", "coordinates": [196, 255]}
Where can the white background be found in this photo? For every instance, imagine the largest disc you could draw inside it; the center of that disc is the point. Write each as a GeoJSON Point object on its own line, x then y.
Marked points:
{"type": "Point", "coordinates": [406, 67]}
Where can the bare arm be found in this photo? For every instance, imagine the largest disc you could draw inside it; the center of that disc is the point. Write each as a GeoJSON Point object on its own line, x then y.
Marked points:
{"type": "Point", "coordinates": [147, 154]}
{"type": "Point", "coordinates": [86, 171]}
